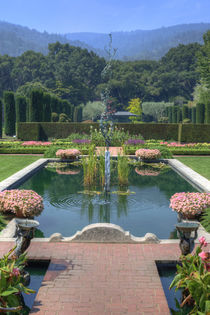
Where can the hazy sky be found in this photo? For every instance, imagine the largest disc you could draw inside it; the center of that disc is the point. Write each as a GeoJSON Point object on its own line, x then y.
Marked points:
{"type": "Point", "coordinates": [63, 16]}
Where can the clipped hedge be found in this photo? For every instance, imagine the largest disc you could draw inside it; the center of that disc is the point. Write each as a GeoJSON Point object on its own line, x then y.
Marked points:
{"type": "Point", "coordinates": [187, 151]}
{"type": "Point", "coordinates": [46, 130]}
{"type": "Point", "coordinates": [195, 133]}
{"type": "Point", "coordinates": [22, 150]}
{"type": "Point", "coordinates": [28, 131]}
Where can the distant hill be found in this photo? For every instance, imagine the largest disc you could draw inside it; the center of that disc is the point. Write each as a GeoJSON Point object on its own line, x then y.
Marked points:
{"type": "Point", "coordinates": [140, 44]}
{"type": "Point", "coordinates": [16, 39]}
{"type": "Point", "coordinates": [135, 45]}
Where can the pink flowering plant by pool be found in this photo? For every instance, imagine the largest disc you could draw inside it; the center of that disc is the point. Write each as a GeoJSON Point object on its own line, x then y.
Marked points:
{"type": "Point", "coordinates": [193, 277]}
{"type": "Point", "coordinates": [148, 154]}
{"type": "Point", "coordinates": [12, 283]}
{"type": "Point", "coordinates": [189, 204]}
{"type": "Point", "coordinates": [68, 153]}
{"type": "Point", "coordinates": [22, 203]}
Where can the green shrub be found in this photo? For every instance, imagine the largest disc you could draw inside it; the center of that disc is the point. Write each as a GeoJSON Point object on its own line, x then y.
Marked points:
{"type": "Point", "coordinates": [64, 118]}
{"type": "Point", "coordinates": [205, 220]}
{"type": "Point", "coordinates": [186, 121]}
{"type": "Point", "coordinates": [9, 113]}
{"type": "Point", "coordinates": [54, 117]}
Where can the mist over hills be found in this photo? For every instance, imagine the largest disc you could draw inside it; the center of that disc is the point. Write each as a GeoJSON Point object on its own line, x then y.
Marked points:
{"type": "Point", "coordinates": [145, 44]}
{"type": "Point", "coordinates": [134, 45]}
{"type": "Point", "coordinates": [16, 39]}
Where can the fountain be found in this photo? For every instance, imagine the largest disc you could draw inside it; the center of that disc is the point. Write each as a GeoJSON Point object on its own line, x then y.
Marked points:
{"type": "Point", "coordinates": [106, 121]}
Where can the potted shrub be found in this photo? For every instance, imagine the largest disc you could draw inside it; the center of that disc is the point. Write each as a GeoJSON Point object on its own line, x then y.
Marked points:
{"type": "Point", "coordinates": [20, 202]}
{"type": "Point", "coordinates": [190, 205]}
{"type": "Point", "coordinates": [68, 154]}
{"type": "Point", "coordinates": [148, 154]}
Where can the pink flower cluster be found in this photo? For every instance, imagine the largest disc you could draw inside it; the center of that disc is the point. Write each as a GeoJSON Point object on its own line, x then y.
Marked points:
{"type": "Point", "coordinates": [23, 203]}
{"type": "Point", "coordinates": [175, 144]}
{"type": "Point", "coordinates": [34, 143]}
{"type": "Point", "coordinates": [148, 154]}
{"type": "Point", "coordinates": [68, 153]}
{"type": "Point", "coordinates": [190, 204]}
{"type": "Point", "coordinates": [146, 172]}
{"type": "Point", "coordinates": [205, 256]}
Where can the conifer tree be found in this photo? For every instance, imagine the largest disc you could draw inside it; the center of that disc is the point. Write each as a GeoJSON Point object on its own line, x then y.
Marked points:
{"type": "Point", "coordinates": [9, 113]}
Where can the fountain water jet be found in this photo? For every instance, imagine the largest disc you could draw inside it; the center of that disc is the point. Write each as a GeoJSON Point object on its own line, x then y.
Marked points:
{"type": "Point", "coordinates": [106, 121]}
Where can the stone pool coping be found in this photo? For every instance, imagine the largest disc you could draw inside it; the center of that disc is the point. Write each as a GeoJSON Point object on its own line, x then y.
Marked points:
{"type": "Point", "coordinates": [9, 232]}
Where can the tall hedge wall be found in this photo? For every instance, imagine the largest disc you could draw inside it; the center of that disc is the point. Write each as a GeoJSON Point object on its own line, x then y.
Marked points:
{"type": "Point", "coordinates": [0, 118]}
{"type": "Point", "coordinates": [195, 133]}
{"type": "Point", "coordinates": [44, 131]}
{"type": "Point", "coordinates": [207, 112]}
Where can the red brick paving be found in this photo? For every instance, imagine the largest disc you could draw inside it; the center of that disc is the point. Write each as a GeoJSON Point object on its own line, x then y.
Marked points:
{"type": "Point", "coordinates": [97, 279]}
{"type": "Point", "coordinates": [114, 151]}
{"type": "Point", "coordinates": [100, 278]}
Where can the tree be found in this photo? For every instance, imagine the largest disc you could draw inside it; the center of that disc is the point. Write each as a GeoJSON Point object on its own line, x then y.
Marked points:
{"type": "Point", "coordinates": [93, 110]}
{"type": "Point", "coordinates": [9, 113]}
{"type": "Point", "coordinates": [0, 118]}
{"type": "Point", "coordinates": [135, 108]}
{"type": "Point", "coordinates": [20, 107]}
{"type": "Point", "coordinates": [204, 60]}
{"type": "Point", "coordinates": [36, 106]}
{"type": "Point", "coordinates": [200, 113]}
{"type": "Point", "coordinates": [46, 107]}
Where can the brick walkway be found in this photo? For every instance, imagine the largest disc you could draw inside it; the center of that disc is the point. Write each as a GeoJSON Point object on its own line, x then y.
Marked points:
{"type": "Point", "coordinates": [95, 279]}
{"type": "Point", "coordinates": [114, 151]}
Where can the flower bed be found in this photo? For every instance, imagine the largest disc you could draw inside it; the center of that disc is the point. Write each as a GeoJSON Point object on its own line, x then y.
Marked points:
{"type": "Point", "coordinates": [22, 203]}
{"type": "Point", "coordinates": [190, 205]}
{"type": "Point", "coordinates": [68, 153]}
{"type": "Point", "coordinates": [148, 154]}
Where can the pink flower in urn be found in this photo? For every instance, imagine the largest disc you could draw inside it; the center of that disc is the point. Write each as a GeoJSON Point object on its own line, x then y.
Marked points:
{"type": "Point", "coordinates": [203, 255]}
{"type": "Point", "coordinates": [16, 272]}
{"type": "Point", "coordinates": [202, 240]}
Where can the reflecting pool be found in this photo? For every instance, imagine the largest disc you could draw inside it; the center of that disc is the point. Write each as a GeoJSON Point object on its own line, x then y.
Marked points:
{"type": "Point", "coordinates": [144, 208]}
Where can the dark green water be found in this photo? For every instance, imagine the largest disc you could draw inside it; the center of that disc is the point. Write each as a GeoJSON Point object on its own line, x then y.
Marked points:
{"type": "Point", "coordinates": [167, 273]}
{"type": "Point", "coordinates": [37, 272]}
{"type": "Point", "coordinates": [67, 211]}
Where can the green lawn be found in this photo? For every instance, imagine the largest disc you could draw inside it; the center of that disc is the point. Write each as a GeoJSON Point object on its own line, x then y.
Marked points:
{"type": "Point", "coordinates": [10, 164]}
{"type": "Point", "coordinates": [200, 164]}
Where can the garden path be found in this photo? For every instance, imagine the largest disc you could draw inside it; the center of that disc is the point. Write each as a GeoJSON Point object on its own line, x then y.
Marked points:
{"type": "Point", "coordinates": [114, 151]}
{"type": "Point", "coordinates": [98, 279]}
